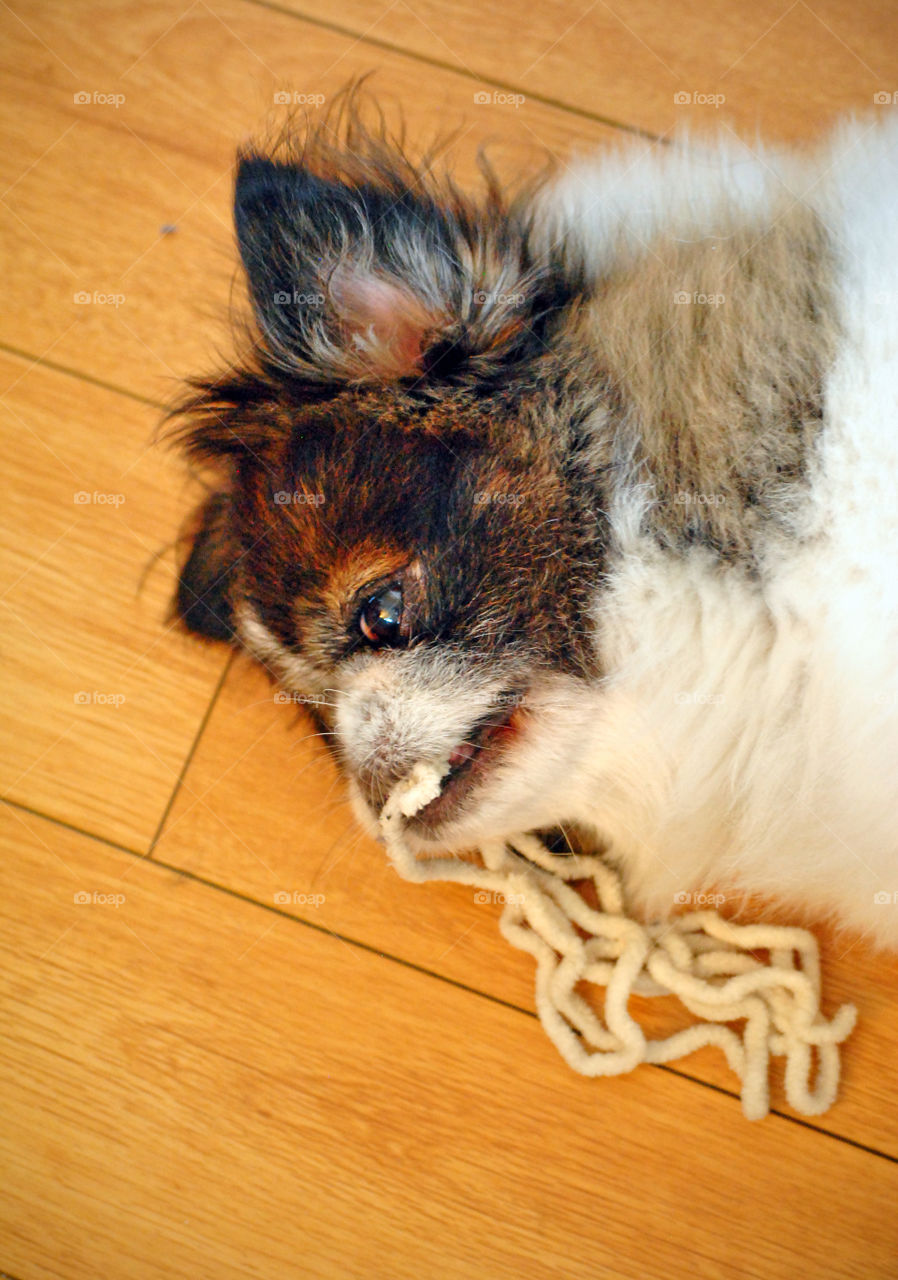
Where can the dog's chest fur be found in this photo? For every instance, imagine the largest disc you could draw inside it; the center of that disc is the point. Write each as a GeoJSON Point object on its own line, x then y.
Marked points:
{"type": "Point", "coordinates": [746, 735]}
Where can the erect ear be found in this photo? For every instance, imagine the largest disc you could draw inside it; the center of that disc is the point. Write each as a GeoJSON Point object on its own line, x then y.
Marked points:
{"type": "Point", "coordinates": [351, 282]}
{"type": "Point", "coordinates": [384, 275]}
{"type": "Point", "coordinates": [203, 602]}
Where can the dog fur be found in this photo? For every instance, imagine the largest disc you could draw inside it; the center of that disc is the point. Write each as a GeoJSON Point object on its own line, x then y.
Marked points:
{"type": "Point", "coordinates": [624, 444]}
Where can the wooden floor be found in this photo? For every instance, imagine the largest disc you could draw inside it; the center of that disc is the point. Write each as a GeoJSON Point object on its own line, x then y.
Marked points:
{"type": "Point", "coordinates": [233, 1043]}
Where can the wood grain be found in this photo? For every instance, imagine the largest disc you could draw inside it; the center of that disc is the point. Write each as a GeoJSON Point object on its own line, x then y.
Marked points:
{"type": "Point", "coordinates": [202, 1082]}
{"type": "Point", "coordinates": [102, 700]}
{"type": "Point", "coordinates": [202, 1088]}
{"type": "Point", "coordinates": [194, 85]}
{"type": "Point", "coordinates": [629, 62]}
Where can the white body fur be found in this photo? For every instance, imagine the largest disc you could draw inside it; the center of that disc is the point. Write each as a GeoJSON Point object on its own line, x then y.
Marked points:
{"type": "Point", "coordinates": [748, 734]}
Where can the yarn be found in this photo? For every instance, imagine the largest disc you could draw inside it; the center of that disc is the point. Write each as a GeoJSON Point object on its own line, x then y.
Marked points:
{"type": "Point", "coordinates": [699, 957]}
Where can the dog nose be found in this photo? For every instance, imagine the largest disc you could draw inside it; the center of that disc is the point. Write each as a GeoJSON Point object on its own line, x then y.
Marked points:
{"type": "Point", "coordinates": [378, 778]}
{"type": "Point", "coordinates": [376, 749]}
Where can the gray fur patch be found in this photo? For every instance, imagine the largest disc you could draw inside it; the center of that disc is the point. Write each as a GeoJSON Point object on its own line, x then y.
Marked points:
{"type": "Point", "coordinates": [712, 355]}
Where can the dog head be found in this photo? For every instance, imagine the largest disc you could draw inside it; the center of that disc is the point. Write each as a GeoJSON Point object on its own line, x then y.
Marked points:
{"type": "Point", "coordinates": [401, 523]}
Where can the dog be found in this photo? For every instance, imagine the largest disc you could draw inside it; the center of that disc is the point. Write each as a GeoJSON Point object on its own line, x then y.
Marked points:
{"type": "Point", "coordinates": [586, 493]}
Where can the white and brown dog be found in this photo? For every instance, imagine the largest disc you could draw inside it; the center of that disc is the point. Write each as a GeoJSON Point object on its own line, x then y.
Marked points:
{"type": "Point", "coordinates": [590, 495]}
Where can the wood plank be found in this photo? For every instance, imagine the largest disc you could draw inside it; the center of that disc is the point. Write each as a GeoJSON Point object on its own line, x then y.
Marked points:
{"type": "Point", "coordinates": [89, 186]}
{"type": "Point", "coordinates": [102, 699]}
{"type": "Point", "coordinates": [788, 69]}
{"type": "Point", "coordinates": [195, 1086]}
{"type": "Point", "coordinates": [263, 811]}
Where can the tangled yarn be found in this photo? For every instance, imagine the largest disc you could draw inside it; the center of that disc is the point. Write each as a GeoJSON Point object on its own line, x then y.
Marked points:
{"type": "Point", "coordinates": [704, 960]}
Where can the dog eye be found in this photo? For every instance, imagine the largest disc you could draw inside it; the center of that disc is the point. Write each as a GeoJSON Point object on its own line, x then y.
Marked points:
{"type": "Point", "coordinates": [380, 620]}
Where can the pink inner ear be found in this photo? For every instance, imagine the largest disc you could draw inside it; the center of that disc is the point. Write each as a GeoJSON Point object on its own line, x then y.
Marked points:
{"type": "Point", "coordinates": [386, 326]}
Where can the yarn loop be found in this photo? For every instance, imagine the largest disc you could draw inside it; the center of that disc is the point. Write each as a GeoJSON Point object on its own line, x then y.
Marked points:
{"type": "Point", "coordinates": [704, 960]}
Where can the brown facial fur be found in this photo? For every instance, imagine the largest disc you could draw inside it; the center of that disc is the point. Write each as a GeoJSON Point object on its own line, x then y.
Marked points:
{"type": "Point", "coordinates": [460, 498]}
{"type": "Point", "coordinates": [393, 418]}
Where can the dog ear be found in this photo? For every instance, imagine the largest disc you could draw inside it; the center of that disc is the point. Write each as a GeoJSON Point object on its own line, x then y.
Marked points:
{"type": "Point", "coordinates": [362, 267]}
{"type": "Point", "coordinates": [202, 602]}
{"type": "Point", "coordinates": [348, 282]}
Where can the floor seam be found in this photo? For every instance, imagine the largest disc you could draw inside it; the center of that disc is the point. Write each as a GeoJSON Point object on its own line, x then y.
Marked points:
{"type": "Point", "coordinates": [240, 896]}
{"type": "Point", "coordinates": [69, 372]}
{"type": "Point", "coordinates": [442, 65]}
{"type": "Point", "coordinates": [188, 759]}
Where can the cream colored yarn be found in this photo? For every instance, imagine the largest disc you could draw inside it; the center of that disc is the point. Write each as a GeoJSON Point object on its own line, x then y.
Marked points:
{"type": "Point", "coordinates": [702, 959]}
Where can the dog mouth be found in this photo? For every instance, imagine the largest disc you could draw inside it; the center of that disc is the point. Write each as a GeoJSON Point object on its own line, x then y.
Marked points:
{"type": "Point", "coordinates": [470, 761]}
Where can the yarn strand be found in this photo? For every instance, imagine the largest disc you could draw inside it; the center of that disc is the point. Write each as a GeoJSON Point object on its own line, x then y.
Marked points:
{"type": "Point", "coordinates": [702, 959]}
